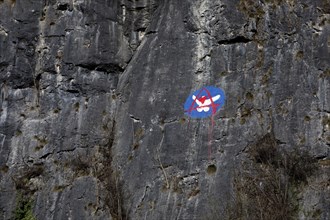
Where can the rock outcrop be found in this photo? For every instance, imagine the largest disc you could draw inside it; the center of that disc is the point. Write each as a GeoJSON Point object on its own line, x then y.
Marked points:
{"type": "Point", "coordinates": [91, 110]}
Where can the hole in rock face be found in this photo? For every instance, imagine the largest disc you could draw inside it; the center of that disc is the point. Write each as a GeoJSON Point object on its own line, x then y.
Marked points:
{"type": "Point", "coordinates": [63, 6]}
{"type": "Point", "coordinates": [211, 169]}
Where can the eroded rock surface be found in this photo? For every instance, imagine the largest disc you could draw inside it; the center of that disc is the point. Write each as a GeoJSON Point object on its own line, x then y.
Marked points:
{"type": "Point", "coordinates": [92, 123]}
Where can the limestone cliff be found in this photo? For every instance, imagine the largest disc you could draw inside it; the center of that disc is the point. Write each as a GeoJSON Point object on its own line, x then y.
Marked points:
{"type": "Point", "coordinates": [92, 124]}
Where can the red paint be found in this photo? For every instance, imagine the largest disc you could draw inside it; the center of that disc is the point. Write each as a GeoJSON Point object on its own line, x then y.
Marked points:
{"type": "Point", "coordinates": [214, 109]}
{"type": "Point", "coordinates": [202, 100]}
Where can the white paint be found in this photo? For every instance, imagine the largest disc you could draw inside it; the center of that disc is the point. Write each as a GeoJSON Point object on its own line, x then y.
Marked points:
{"type": "Point", "coordinates": [205, 105]}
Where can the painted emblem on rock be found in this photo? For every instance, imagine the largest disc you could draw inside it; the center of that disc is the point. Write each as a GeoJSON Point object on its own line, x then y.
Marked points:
{"type": "Point", "coordinates": [204, 102]}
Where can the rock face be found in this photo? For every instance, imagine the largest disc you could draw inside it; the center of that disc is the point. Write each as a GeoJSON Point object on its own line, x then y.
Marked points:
{"type": "Point", "coordinates": [92, 123]}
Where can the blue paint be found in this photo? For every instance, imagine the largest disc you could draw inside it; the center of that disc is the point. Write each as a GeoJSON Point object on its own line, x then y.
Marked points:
{"type": "Point", "coordinates": [204, 102]}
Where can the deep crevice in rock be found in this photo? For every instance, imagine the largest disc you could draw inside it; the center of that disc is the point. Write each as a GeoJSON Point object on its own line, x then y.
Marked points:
{"type": "Point", "coordinates": [236, 40]}
{"type": "Point", "coordinates": [103, 67]}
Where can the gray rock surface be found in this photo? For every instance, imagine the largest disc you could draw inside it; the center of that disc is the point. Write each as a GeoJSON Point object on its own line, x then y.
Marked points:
{"type": "Point", "coordinates": [91, 109]}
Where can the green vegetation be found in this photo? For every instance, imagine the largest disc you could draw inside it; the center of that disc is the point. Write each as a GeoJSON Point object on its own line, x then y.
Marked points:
{"type": "Point", "coordinates": [23, 210]}
{"type": "Point", "coordinates": [25, 191]}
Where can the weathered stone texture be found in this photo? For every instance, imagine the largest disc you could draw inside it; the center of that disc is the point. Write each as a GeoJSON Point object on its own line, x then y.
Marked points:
{"type": "Point", "coordinates": [92, 123]}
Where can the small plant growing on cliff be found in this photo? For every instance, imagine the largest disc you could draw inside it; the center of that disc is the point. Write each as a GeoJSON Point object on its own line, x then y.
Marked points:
{"type": "Point", "coordinates": [23, 209]}
{"type": "Point", "coordinates": [22, 178]}
{"type": "Point", "coordinates": [80, 166]}
{"type": "Point", "coordinates": [268, 186]}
